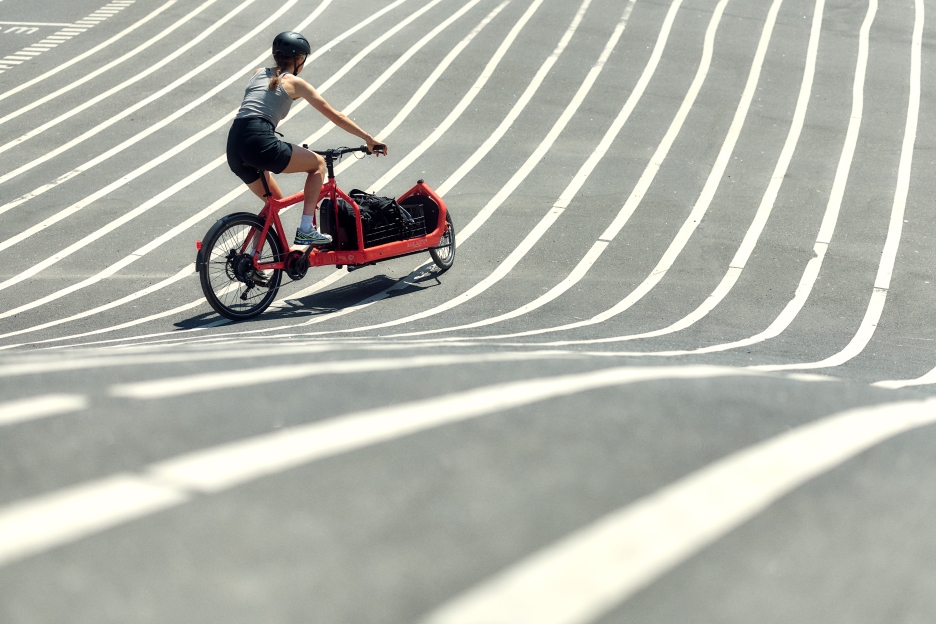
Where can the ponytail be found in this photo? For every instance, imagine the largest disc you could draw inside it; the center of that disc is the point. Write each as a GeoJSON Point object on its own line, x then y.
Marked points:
{"type": "Point", "coordinates": [275, 80]}
{"type": "Point", "coordinates": [283, 66]}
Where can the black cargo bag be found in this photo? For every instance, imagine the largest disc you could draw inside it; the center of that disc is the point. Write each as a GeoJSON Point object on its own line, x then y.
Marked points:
{"type": "Point", "coordinates": [384, 220]}
{"type": "Point", "coordinates": [346, 223]}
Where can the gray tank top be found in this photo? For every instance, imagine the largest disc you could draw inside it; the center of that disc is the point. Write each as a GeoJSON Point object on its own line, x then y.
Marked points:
{"type": "Point", "coordinates": [260, 101]}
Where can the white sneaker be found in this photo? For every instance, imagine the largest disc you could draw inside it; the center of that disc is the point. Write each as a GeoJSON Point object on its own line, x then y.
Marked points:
{"type": "Point", "coordinates": [312, 237]}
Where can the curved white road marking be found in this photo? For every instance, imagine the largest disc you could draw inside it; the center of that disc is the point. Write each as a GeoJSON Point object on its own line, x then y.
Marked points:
{"type": "Point", "coordinates": [476, 156]}
{"type": "Point", "coordinates": [686, 231]}
{"type": "Point", "coordinates": [22, 410]}
{"type": "Point", "coordinates": [32, 51]}
{"type": "Point", "coordinates": [47, 73]}
{"type": "Point", "coordinates": [502, 50]}
{"type": "Point", "coordinates": [478, 85]}
{"type": "Point", "coordinates": [335, 275]}
{"type": "Point", "coordinates": [211, 382]}
{"type": "Point", "coordinates": [47, 363]}
{"type": "Point", "coordinates": [482, 79]}
{"type": "Point", "coordinates": [894, 229]}
{"type": "Point", "coordinates": [165, 122]}
{"type": "Point", "coordinates": [741, 257]}
{"type": "Point", "coordinates": [241, 189]}
{"type": "Point", "coordinates": [31, 527]}
{"type": "Point", "coordinates": [546, 222]}
{"type": "Point", "coordinates": [137, 49]}
{"type": "Point", "coordinates": [150, 129]}
{"type": "Point", "coordinates": [531, 161]}
{"type": "Point", "coordinates": [172, 190]}
{"type": "Point", "coordinates": [129, 110]}
{"type": "Point", "coordinates": [35, 525]}
{"type": "Point", "coordinates": [589, 572]}
{"type": "Point", "coordinates": [826, 230]}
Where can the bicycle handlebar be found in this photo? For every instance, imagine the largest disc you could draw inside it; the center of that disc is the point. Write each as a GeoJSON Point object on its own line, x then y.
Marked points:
{"type": "Point", "coordinates": [341, 151]}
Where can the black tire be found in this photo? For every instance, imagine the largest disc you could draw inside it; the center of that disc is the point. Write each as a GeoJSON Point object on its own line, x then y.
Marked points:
{"type": "Point", "coordinates": [227, 275]}
{"type": "Point", "coordinates": [444, 254]}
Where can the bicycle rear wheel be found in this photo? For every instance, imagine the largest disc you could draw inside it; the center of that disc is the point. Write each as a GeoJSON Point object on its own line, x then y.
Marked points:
{"type": "Point", "coordinates": [231, 284]}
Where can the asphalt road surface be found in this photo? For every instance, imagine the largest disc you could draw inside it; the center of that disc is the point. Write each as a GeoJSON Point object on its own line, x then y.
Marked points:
{"type": "Point", "coordinates": [681, 369]}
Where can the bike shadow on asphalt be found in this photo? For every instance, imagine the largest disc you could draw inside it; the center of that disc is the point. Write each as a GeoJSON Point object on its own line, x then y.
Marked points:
{"type": "Point", "coordinates": [331, 300]}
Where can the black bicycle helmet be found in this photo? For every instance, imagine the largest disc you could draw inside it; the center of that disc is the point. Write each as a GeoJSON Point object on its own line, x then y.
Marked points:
{"type": "Point", "coordinates": [290, 45]}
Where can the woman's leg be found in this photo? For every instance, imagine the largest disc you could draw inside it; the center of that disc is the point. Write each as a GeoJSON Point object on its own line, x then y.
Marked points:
{"type": "Point", "coordinates": [313, 164]}
{"type": "Point", "coordinates": [259, 191]}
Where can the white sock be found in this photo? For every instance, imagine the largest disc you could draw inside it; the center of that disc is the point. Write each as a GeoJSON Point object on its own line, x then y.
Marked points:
{"type": "Point", "coordinates": [306, 224]}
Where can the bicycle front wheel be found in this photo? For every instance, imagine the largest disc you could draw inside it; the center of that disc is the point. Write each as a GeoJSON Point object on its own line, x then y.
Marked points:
{"type": "Point", "coordinates": [443, 254]}
{"type": "Point", "coordinates": [231, 285]}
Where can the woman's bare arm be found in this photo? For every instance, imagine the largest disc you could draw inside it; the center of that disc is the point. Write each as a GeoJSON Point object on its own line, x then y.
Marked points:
{"type": "Point", "coordinates": [298, 88]}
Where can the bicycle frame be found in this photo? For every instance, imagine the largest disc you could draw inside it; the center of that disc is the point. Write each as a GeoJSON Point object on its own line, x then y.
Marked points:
{"type": "Point", "coordinates": [360, 255]}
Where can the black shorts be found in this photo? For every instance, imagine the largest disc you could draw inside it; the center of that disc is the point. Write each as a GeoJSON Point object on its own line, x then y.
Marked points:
{"type": "Point", "coordinates": [253, 146]}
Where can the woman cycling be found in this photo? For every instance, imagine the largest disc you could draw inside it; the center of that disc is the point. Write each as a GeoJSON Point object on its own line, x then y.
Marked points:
{"type": "Point", "coordinates": [252, 144]}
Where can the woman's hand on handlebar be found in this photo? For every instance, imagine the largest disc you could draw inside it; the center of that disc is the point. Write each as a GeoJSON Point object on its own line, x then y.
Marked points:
{"type": "Point", "coordinates": [376, 147]}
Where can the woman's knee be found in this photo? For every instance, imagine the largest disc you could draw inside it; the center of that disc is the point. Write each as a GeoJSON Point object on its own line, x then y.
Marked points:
{"type": "Point", "coordinates": [319, 165]}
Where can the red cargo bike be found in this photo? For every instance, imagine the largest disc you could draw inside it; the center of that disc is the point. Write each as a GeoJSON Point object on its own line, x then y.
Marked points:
{"type": "Point", "coordinates": [242, 258]}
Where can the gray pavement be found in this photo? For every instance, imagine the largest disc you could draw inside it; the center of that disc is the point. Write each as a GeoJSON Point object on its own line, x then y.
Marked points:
{"type": "Point", "coordinates": [656, 386]}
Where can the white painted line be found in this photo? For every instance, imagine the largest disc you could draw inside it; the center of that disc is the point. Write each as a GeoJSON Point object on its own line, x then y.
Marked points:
{"type": "Point", "coordinates": [175, 188]}
{"type": "Point", "coordinates": [531, 161]}
{"type": "Point", "coordinates": [36, 525]}
{"type": "Point", "coordinates": [476, 88]}
{"type": "Point", "coordinates": [14, 412]}
{"type": "Point", "coordinates": [229, 465]}
{"type": "Point", "coordinates": [648, 176]}
{"type": "Point", "coordinates": [113, 225]}
{"type": "Point", "coordinates": [501, 51]}
{"type": "Point", "coordinates": [27, 54]}
{"type": "Point", "coordinates": [185, 272]}
{"type": "Point", "coordinates": [126, 112]}
{"type": "Point", "coordinates": [584, 172]}
{"type": "Point", "coordinates": [32, 24]}
{"type": "Point", "coordinates": [895, 228]}
{"type": "Point", "coordinates": [137, 49]}
{"type": "Point", "coordinates": [150, 129]}
{"type": "Point", "coordinates": [924, 380]}
{"type": "Point", "coordinates": [40, 524]}
{"type": "Point", "coordinates": [588, 573]}
{"type": "Point", "coordinates": [390, 71]}
{"type": "Point", "coordinates": [689, 225]}
{"type": "Point", "coordinates": [417, 96]}
{"type": "Point", "coordinates": [17, 57]}
{"type": "Point", "coordinates": [833, 207]}
{"type": "Point", "coordinates": [45, 365]}
{"type": "Point", "coordinates": [239, 378]}
{"type": "Point", "coordinates": [428, 83]}
{"type": "Point", "coordinates": [281, 303]}
{"type": "Point", "coordinates": [194, 177]}
{"type": "Point", "coordinates": [54, 70]}
{"type": "Point", "coordinates": [546, 222]}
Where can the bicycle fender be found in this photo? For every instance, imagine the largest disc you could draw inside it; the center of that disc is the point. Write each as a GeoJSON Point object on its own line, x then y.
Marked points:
{"type": "Point", "coordinates": [211, 233]}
